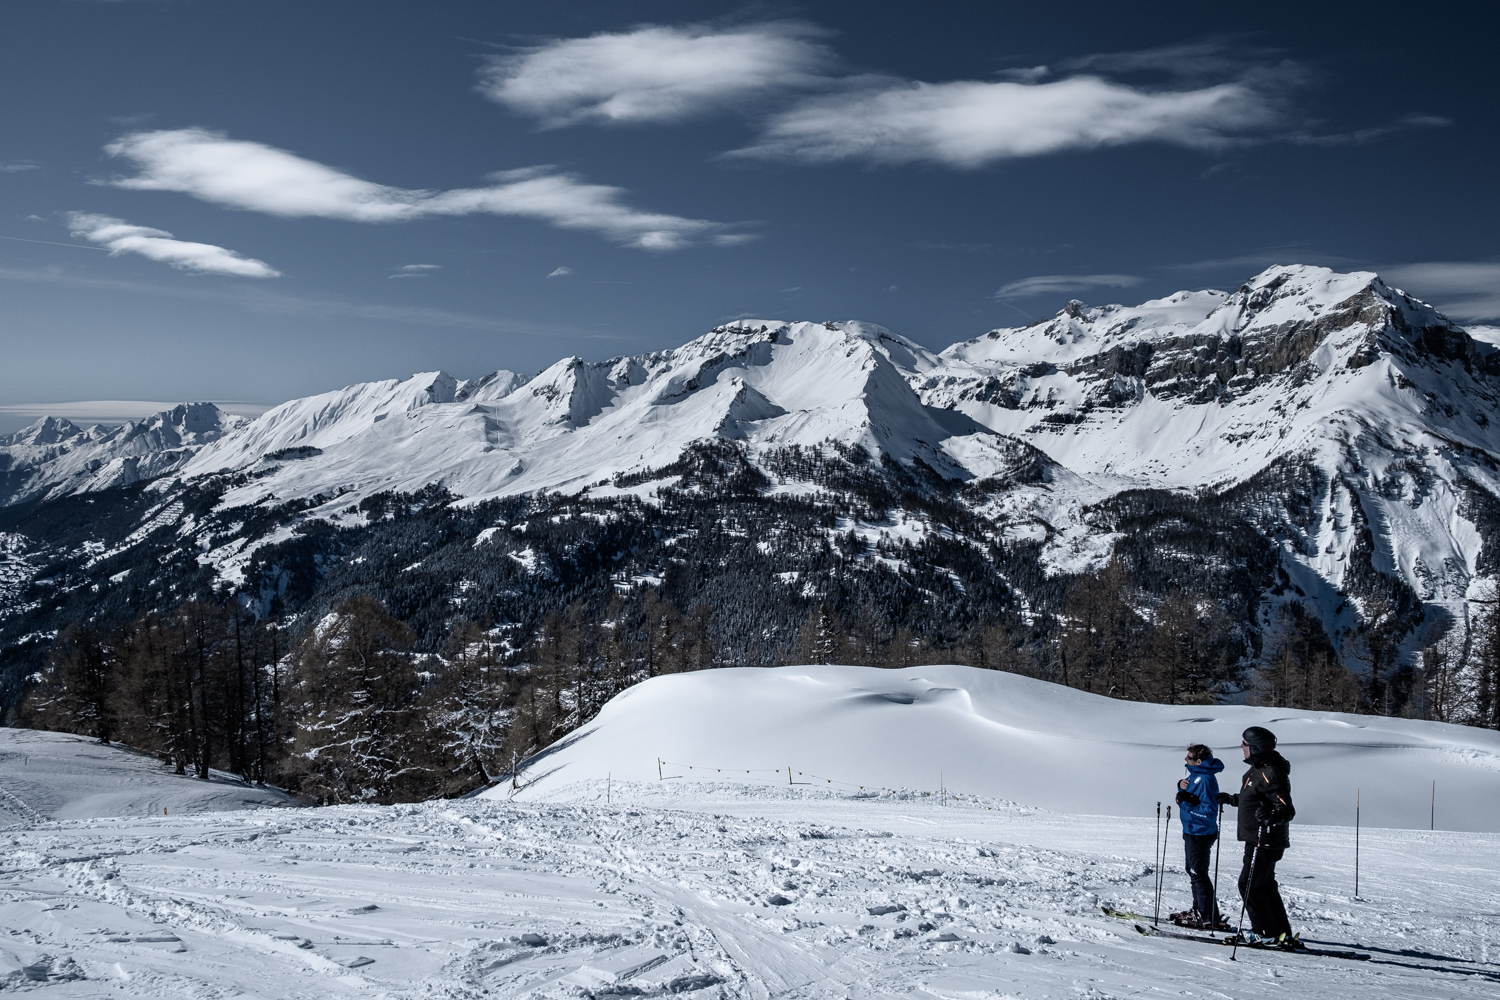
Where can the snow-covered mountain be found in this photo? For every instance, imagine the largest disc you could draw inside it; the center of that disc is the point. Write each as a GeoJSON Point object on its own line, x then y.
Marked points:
{"type": "Point", "coordinates": [1350, 426]}
{"type": "Point", "coordinates": [55, 457]}
{"type": "Point", "coordinates": [579, 423]}
{"type": "Point", "coordinates": [1381, 408]}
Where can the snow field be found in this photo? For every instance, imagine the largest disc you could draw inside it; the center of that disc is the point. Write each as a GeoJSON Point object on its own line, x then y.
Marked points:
{"type": "Point", "coordinates": [46, 776]}
{"type": "Point", "coordinates": [616, 883]}
{"type": "Point", "coordinates": [713, 890]}
{"type": "Point", "coordinates": [1008, 737]}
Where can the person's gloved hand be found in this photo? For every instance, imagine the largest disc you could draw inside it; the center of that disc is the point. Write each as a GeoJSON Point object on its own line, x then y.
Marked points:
{"type": "Point", "coordinates": [1185, 796]}
{"type": "Point", "coordinates": [1224, 799]}
{"type": "Point", "coordinates": [1272, 815]}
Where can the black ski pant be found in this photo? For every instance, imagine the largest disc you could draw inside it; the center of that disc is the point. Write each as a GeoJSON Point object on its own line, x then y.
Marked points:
{"type": "Point", "coordinates": [1261, 894]}
{"type": "Point", "coordinates": [1198, 848]}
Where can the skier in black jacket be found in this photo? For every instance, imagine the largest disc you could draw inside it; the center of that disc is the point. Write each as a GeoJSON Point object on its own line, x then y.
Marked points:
{"type": "Point", "coordinates": [1265, 808]}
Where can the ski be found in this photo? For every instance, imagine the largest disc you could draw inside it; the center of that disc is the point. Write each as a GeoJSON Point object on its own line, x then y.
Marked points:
{"type": "Point", "coordinates": [1183, 935]}
{"type": "Point", "coordinates": [1355, 956]}
{"type": "Point", "coordinates": [1110, 911]}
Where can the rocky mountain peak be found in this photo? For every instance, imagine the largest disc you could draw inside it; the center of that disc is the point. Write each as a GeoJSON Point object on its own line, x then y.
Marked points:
{"type": "Point", "coordinates": [45, 431]}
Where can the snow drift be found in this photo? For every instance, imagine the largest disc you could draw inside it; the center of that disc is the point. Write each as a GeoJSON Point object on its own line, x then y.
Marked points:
{"type": "Point", "coordinates": [1011, 737]}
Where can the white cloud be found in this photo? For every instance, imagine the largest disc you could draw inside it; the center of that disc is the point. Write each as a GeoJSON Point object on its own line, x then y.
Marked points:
{"type": "Point", "coordinates": [969, 124]}
{"type": "Point", "coordinates": [654, 74]}
{"type": "Point", "coordinates": [1465, 290]}
{"type": "Point", "coordinates": [415, 270]}
{"type": "Point", "coordinates": [1064, 284]}
{"type": "Point", "coordinates": [560, 272]}
{"type": "Point", "coordinates": [118, 236]}
{"type": "Point", "coordinates": [17, 167]}
{"type": "Point", "coordinates": [260, 178]}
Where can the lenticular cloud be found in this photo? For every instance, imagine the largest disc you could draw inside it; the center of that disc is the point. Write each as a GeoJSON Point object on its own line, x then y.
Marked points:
{"type": "Point", "coordinates": [119, 236]}
{"type": "Point", "coordinates": [969, 124]}
{"type": "Point", "coordinates": [653, 74]}
{"type": "Point", "coordinates": [259, 178]}
{"type": "Point", "coordinates": [1052, 284]}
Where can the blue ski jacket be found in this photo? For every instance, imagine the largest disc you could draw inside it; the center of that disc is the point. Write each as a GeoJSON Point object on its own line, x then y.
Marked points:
{"type": "Point", "coordinates": [1202, 818]}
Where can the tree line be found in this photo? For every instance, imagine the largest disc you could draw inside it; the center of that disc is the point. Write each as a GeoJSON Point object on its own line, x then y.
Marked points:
{"type": "Point", "coordinates": [350, 711]}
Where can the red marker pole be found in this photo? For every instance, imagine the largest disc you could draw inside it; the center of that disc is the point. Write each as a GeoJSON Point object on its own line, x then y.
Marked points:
{"type": "Point", "coordinates": [1356, 843]}
{"type": "Point", "coordinates": [1432, 819]}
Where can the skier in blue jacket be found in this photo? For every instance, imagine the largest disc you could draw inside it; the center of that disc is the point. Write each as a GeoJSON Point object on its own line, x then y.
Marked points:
{"type": "Point", "coordinates": [1197, 801]}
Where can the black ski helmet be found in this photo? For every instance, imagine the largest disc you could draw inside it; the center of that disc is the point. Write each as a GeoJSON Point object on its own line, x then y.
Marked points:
{"type": "Point", "coordinates": [1259, 739]}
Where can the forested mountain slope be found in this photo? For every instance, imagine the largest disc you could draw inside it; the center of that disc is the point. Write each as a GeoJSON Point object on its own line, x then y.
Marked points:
{"type": "Point", "coordinates": [1302, 468]}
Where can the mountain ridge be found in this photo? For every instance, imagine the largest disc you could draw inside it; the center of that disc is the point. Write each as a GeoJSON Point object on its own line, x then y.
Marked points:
{"type": "Point", "coordinates": [1348, 426]}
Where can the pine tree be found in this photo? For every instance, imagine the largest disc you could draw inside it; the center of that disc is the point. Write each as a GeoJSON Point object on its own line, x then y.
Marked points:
{"type": "Point", "coordinates": [1101, 633]}
{"type": "Point", "coordinates": [1485, 662]}
{"type": "Point", "coordinates": [359, 735]}
{"type": "Point", "coordinates": [821, 639]}
{"type": "Point", "coordinates": [466, 710]}
{"type": "Point", "coordinates": [1184, 659]}
{"type": "Point", "coordinates": [77, 691]}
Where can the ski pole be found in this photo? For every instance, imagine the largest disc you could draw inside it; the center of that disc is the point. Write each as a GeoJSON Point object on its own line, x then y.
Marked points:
{"type": "Point", "coordinates": [1156, 861]}
{"type": "Point", "coordinates": [1166, 836]}
{"type": "Point", "coordinates": [1239, 931]}
{"type": "Point", "coordinates": [1218, 843]}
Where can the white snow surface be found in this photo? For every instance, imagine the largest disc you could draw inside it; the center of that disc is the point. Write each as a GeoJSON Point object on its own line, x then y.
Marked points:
{"type": "Point", "coordinates": [61, 776]}
{"type": "Point", "coordinates": [734, 888]}
{"type": "Point", "coordinates": [1081, 330]}
{"type": "Point", "coordinates": [1005, 736]}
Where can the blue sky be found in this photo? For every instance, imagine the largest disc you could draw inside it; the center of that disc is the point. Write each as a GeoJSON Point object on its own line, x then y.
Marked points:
{"type": "Point", "coordinates": [237, 201]}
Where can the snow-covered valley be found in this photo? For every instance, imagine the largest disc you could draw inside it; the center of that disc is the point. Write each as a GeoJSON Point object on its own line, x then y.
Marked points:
{"type": "Point", "coordinates": [596, 886]}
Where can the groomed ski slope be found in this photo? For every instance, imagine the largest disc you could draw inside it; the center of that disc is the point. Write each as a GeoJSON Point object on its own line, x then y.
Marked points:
{"type": "Point", "coordinates": [46, 776]}
{"type": "Point", "coordinates": [733, 889]}
{"type": "Point", "coordinates": [1009, 737]}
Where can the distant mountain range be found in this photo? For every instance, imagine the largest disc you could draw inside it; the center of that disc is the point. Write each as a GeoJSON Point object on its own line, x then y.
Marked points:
{"type": "Point", "coordinates": [1352, 430]}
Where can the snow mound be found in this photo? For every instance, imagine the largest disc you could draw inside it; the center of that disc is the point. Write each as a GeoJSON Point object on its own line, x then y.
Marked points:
{"type": "Point", "coordinates": [972, 732]}
{"type": "Point", "coordinates": [58, 776]}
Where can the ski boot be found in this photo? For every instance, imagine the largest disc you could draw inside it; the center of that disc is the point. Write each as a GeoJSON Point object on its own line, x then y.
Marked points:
{"type": "Point", "coordinates": [1185, 918]}
{"type": "Point", "coordinates": [1289, 942]}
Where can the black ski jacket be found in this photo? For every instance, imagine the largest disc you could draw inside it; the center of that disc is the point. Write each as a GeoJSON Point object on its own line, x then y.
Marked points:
{"type": "Point", "coordinates": [1265, 800]}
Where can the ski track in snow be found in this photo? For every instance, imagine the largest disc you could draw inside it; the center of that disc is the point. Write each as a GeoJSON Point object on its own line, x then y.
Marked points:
{"type": "Point", "coordinates": [666, 889]}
